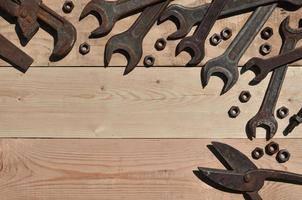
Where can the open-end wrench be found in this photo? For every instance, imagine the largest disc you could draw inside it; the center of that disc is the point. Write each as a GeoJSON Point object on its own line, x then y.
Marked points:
{"type": "Point", "coordinates": [129, 43]}
{"type": "Point", "coordinates": [266, 115]}
{"type": "Point", "coordinates": [187, 17]}
{"type": "Point", "coordinates": [227, 63]}
{"type": "Point", "coordinates": [195, 44]}
{"type": "Point", "coordinates": [109, 12]}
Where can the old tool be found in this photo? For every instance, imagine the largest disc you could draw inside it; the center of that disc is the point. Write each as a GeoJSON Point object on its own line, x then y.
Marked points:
{"type": "Point", "coordinates": [282, 112]}
{"type": "Point", "coordinates": [129, 43]}
{"type": "Point", "coordinates": [272, 148]}
{"type": "Point", "coordinates": [265, 49]}
{"type": "Point", "coordinates": [160, 44]}
{"type": "Point", "coordinates": [227, 64]}
{"type": "Point", "coordinates": [283, 156]}
{"type": "Point", "coordinates": [109, 12]}
{"type": "Point", "coordinates": [234, 112]}
{"type": "Point", "coordinates": [195, 45]}
{"type": "Point", "coordinates": [242, 175]}
{"type": "Point", "coordinates": [14, 56]}
{"type": "Point", "coordinates": [266, 115]}
{"type": "Point", "coordinates": [245, 96]}
{"type": "Point", "coordinates": [267, 33]}
{"type": "Point", "coordinates": [30, 13]}
{"type": "Point", "coordinates": [226, 33]}
{"type": "Point", "coordinates": [295, 121]}
{"type": "Point", "coordinates": [68, 6]}
{"type": "Point", "coordinates": [215, 39]}
{"type": "Point", "coordinates": [186, 17]}
{"type": "Point", "coordinates": [149, 61]}
{"type": "Point", "coordinates": [257, 153]}
{"type": "Point", "coordinates": [84, 48]}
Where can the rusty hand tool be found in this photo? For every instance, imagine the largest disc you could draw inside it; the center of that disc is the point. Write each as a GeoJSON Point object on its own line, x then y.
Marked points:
{"type": "Point", "coordinates": [266, 115]}
{"type": "Point", "coordinates": [186, 17]}
{"type": "Point", "coordinates": [227, 63]}
{"type": "Point", "coordinates": [295, 121]}
{"type": "Point", "coordinates": [14, 56]}
{"type": "Point", "coordinates": [30, 13]}
{"type": "Point", "coordinates": [129, 43]}
{"type": "Point", "coordinates": [195, 45]}
{"type": "Point", "coordinates": [242, 175]}
{"type": "Point", "coordinates": [109, 12]}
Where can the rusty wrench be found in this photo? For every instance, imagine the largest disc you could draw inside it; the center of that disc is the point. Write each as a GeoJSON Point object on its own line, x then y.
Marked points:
{"type": "Point", "coordinates": [227, 63]}
{"type": "Point", "coordinates": [265, 116]}
{"type": "Point", "coordinates": [109, 12]}
{"type": "Point", "coordinates": [187, 17]}
{"type": "Point", "coordinates": [195, 45]}
{"type": "Point", "coordinates": [129, 43]}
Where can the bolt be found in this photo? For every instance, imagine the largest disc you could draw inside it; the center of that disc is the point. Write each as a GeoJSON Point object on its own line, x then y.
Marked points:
{"type": "Point", "coordinates": [149, 61]}
{"type": "Point", "coordinates": [84, 48]}
{"type": "Point", "coordinates": [272, 148]}
{"type": "Point", "coordinates": [215, 39]}
{"type": "Point", "coordinates": [257, 153]}
{"type": "Point", "coordinates": [234, 111]}
{"type": "Point", "coordinates": [245, 96]}
{"type": "Point", "coordinates": [283, 156]}
{"type": "Point", "coordinates": [282, 112]}
{"type": "Point", "coordinates": [160, 44]}
{"type": "Point", "coordinates": [68, 6]}
{"type": "Point", "coordinates": [226, 33]}
{"type": "Point", "coordinates": [265, 49]}
{"type": "Point", "coordinates": [267, 33]}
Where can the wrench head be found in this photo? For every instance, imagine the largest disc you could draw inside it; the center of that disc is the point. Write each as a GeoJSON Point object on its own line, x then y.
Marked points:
{"type": "Point", "coordinates": [104, 11]}
{"type": "Point", "coordinates": [131, 50]}
{"type": "Point", "coordinates": [269, 123]}
{"type": "Point", "coordinates": [224, 69]}
{"type": "Point", "coordinates": [254, 65]}
{"type": "Point", "coordinates": [286, 31]}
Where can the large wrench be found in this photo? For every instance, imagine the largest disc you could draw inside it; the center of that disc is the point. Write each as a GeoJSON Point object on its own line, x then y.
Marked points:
{"type": "Point", "coordinates": [109, 12]}
{"type": "Point", "coordinates": [195, 45]}
{"type": "Point", "coordinates": [227, 63]}
{"type": "Point", "coordinates": [265, 116]}
{"type": "Point", "coordinates": [129, 43]}
{"type": "Point", "coordinates": [187, 17]}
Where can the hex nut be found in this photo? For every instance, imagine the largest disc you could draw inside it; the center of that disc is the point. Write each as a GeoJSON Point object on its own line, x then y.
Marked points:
{"type": "Point", "coordinates": [215, 39]}
{"type": "Point", "coordinates": [226, 33]}
{"type": "Point", "coordinates": [149, 61]}
{"type": "Point", "coordinates": [272, 148]}
{"type": "Point", "coordinates": [282, 112]}
{"type": "Point", "coordinates": [84, 48]}
{"type": "Point", "coordinates": [283, 156]}
{"type": "Point", "coordinates": [160, 44]}
{"type": "Point", "coordinates": [257, 153]}
{"type": "Point", "coordinates": [68, 6]}
{"type": "Point", "coordinates": [265, 49]}
{"type": "Point", "coordinates": [245, 96]}
{"type": "Point", "coordinates": [267, 33]}
{"type": "Point", "coordinates": [234, 111]}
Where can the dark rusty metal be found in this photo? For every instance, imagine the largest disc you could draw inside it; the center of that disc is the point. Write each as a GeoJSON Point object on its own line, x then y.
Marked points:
{"type": "Point", "coordinates": [283, 156]}
{"type": "Point", "coordinates": [149, 61]}
{"type": "Point", "coordinates": [84, 48]}
{"type": "Point", "coordinates": [14, 56]}
{"type": "Point", "coordinates": [267, 33]}
{"type": "Point", "coordinates": [215, 39]}
{"type": "Point", "coordinates": [257, 153]}
{"type": "Point", "coordinates": [265, 49]}
{"type": "Point", "coordinates": [234, 111]}
{"type": "Point", "coordinates": [109, 12]}
{"type": "Point", "coordinates": [295, 121]}
{"type": "Point", "coordinates": [129, 43]}
{"type": "Point", "coordinates": [242, 175]}
{"type": "Point", "coordinates": [195, 44]}
{"type": "Point", "coordinates": [226, 33]}
{"type": "Point", "coordinates": [245, 96]}
{"type": "Point", "coordinates": [282, 112]}
{"type": "Point", "coordinates": [272, 148]}
{"type": "Point", "coordinates": [68, 6]}
{"type": "Point", "coordinates": [187, 17]}
{"type": "Point", "coordinates": [266, 114]}
{"type": "Point", "coordinates": [28, 12]}
{"type": "Point", "coordinates": [227, 64]}
{"type": "Point", "coordinates": [160, 44]}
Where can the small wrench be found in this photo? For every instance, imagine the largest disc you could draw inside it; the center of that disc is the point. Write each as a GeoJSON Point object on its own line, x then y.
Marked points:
{"type": "Point", "coordinates": [109, 12]}
{"type": "Point", "coordinates": [129, 43]}
{"type": "Point", "coordinates": [265, 117]}
{"type": "Point", "coordinates": [227, 63]}
{"type": "Point", "coordinates": [186, 17]}
{"type": "Point", "coordinates": [195, 45]}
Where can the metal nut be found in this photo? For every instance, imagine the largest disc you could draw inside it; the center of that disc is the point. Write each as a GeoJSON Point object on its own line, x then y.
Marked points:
{"type": "Point", "coordinates": [234, 112]}
{"type": "Point", "coordinates": [265, 49]}
{"type": "Point", "coordinates": [149, 61]}
{"type": "Point", "coordinates": [272, 148]}
{"type": "Point", "coordinates": [267, 33]}
{"type": "Point", "coordinates": [84, 48]}
{"type": "Point", "coordinates": [226, 33]}
{"type": "Point", "coordinates": [160, 44]}
{"type": "Point", "coordinates": [282, 112]}
{"type": "Point", "coordinates": [68, 6]}
{"type": "Point", "coordinates": [283, 156]}
{"type": "Point", "coordinates": [245, 96]}
{"type": "Point", "coordinates": [215, 39]}
{"type": "Point", "coordinates": [257, 153]}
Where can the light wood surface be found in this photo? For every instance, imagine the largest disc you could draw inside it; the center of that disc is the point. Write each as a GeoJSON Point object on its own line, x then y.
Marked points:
{"type": "Point", "coordinates": [126, 169]}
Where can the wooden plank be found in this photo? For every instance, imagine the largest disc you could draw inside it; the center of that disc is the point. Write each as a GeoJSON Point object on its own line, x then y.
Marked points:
{"type": "Point", "coordinates": [126, 169]}
{"type": "Point", "coordinates": [150, 103]}
{"type": "Point", "coordinates": [41, 46]}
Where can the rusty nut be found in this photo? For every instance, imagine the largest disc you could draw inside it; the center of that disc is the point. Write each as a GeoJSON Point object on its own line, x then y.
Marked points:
{"type": "Point", "coordinates": [245, 96]}
{"type": "Point", "coordinates": [215, 39]}
{"type": "Point", "coordinates": [149, 61]}
{"type": "Point", "coordinates": [282, 112]}
{"type": "Point", "coordinates": [267, 33]}
{"type": "Point", "coordinates": [84, 48]}
{"type": "Point", "coordinates": [272, 148]}
{"type": "Point", "coordinates": [234, 111]}
{"type": "Point", "coordinates": [68, 6]}
{"type": "Point", "coordinates": [265, 49]}
{"type": "Point", "coordinates": [257, 153]}
{"type": "Point", "coordinates": [226, 33]}
{"type": "Point", "coordinates": [283, 156]}
{"type": "Point", "coordinates": [160, 44]}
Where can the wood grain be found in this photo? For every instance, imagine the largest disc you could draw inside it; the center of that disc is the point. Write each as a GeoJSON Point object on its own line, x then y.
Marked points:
{"type": "Point", "coordinates": [150, 103]}
{"type": "Point", "coordinates": [126, 169]}
{"type": "Point", "coordinates": [41, 46]}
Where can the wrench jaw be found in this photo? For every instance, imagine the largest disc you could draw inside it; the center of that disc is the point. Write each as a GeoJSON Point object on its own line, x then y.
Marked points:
{"type": "Point", "coordinates": [287, 31]}
{"type": "Point", "coordinates": [104, 12]}
{"type": "Point", "coordinates": [193, 47]}
{"type": "Point", "coordinates": [253, 65]}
